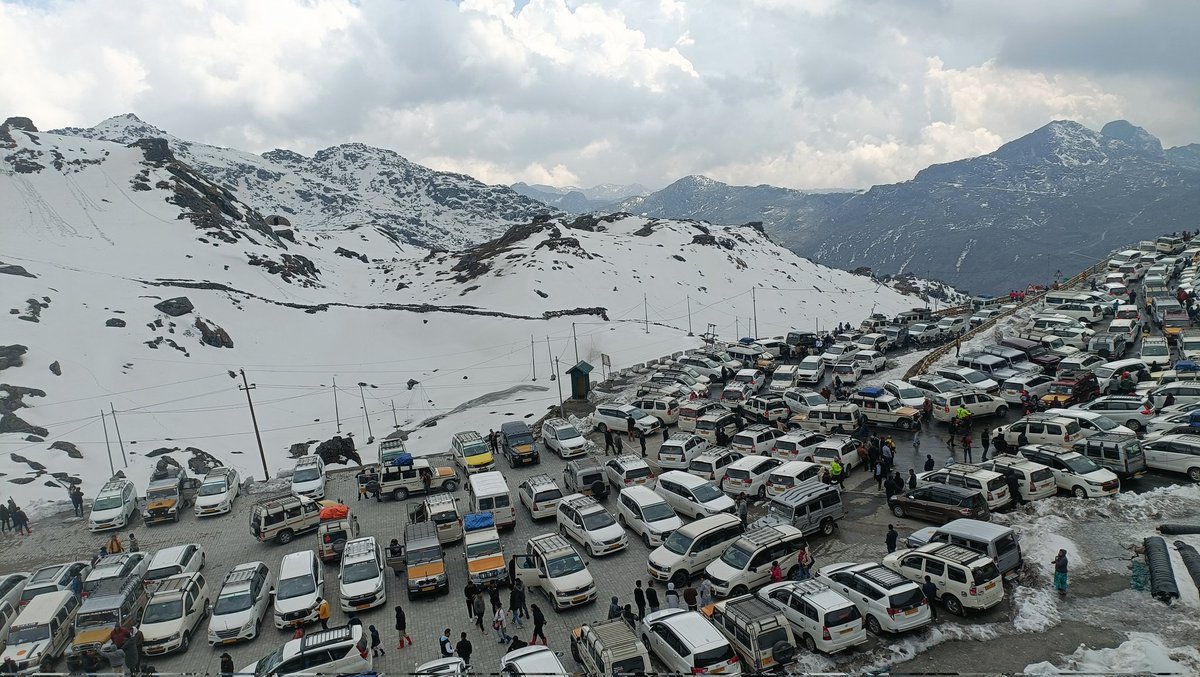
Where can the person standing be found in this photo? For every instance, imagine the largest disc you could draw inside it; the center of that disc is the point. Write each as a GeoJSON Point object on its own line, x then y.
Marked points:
{"type": "Point", "coordinates": [690, 597]}
{"type": "Point", "coordinates": [464, 649]}
{"type": "Point", "coordinates": [706, 592]}
{"type": "Point", "coordinates": [499, 624]}
{"type": "Point", "coordinates": [652, 597]}
{"type": "Point", "coordinates": [892, 486]}
{"type": "Point", "coordinates": [879, 475]}
{"type": "Point", "coordinates": [445, 645]}
{"type": "Point", "coordinates": [76, 500]}
{"type": "Point", "coordinates": [642, 441]}
{"type": "Point", "coordinates": [666, 434]}
{"type": "Point", "coordinates": [114, 545]}
{"type": "Point", "coordinates": [912, 478]}
{"type": "Point", "coordinates": [743, 508]}
{"type": "Point", "coordinates": [402, 627]}
{"type": "Point", "coordinates": [985, 438]}
{"type": "Point", "coordinates": [469, 591]}
{"type": "Point", "coordinates": [608, 440]}
{"type": "Point", "coordinates": [966, 443]}
{"type": "Point", "coordinates": [516, 604]}
{"type": "Point", "coordinates": [620, 446]}
{"type": "Point", "coordinates": [227, 665]}
{"type": "Point", "coordinates": [614, 608]}
{"type": "Point", "coordinates": [323, 613]}
{"type": "Point", "coordinates": [836, 474]}
{"type": "Point", "coordinates": [639, 599]}
{"type": "Point", "coordinates": [776, 572]}
{"type": "Point", "coordinates": [930, 591]}
{"type": "Point", "coordinates": [890, 539]}
{"type": "Point", "coordinates": [539, 620]}
{"type": "Point", "coordinates": [672, 597]}
{"type": "Point", "coordinates": [1060, 573]}
{"type": "Point", "coordinates": [5, 517]}
{"type": "Point", "coordinates": [21, 522]}
{"type": "Point", "coordinates": [478, 608]}
{"type": "Point", "coordinates": [376, 642]}
{"type": "Point", "coordinates": [1014, 489]}
{"type": "Point", "coordinates": [629, 426]}
{"type": "Point", "coordinates": [930, 464]}
{"type": "Point", "coordinates": [804, 562]}
{"type": "Point", "coordinates": [494, 596]}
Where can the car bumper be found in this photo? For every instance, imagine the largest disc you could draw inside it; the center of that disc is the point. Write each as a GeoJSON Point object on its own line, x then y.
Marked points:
{"type": "Point", "coordinates": [364, 602]}
{"type": "Point", "coordinates": [213, 510]}
{"type": "Point", "coordinates": [162, 648]}
{"type": "Point", "coordinates": [106, 526]}
{"type": "Point", "coordinates": [841, 642]}
{"type": "Point", "coordinates": [575, 600]}
{"type": "Point", "coordinates": [281, 624]}
{"type": "Point", "coordinates": [906, 622]}
{"type": "Point", "coordinates": [230, 636]}
{"type": "Point", "coordinates": [600, 549]}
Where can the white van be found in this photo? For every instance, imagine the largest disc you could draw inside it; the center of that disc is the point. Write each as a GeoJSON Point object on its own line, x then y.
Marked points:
{"type": "Point", "coordinates": [488, 492]}
{"type": "Point", "coordinates": [540, 494]}
{"type": "Point", "coordinates": [790, 474]}
{"type": "Point", "coordinates": [678, 451]}
{"type": "Point", "coordinates": [115, 504]}
{"type": "Point", "coordinates": [690, 412]}
{"type": "Point", "coordinates": [360, 582]}
{"type": "Point", "coordinates": [647, 514]}
{"type": "Point", "coordinates": [692, 547]}
{"type": "Point", "coordinates": [785, 376]}
{"type": "Point", "coordinates": [824, 620]}
{"type": "Point", "coordinates": [308, 477]}
{"type": "Point", "coordinates": [691, 495]}
{"type": "Point", "coordinates": [837, 417]}
{"type": "Point", "coordinates": [552, 564]}
{"type": "Point", "coordinates": [964, 578]}
{"type": "Point", "coordinates": [43, 628]}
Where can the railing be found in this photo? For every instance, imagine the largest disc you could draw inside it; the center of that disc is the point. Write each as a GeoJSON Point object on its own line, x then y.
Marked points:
{"type": "Point", "coordinates": [938, 353]}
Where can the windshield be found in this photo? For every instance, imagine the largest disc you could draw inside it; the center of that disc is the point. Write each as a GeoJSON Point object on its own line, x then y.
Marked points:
{"type": "Point", "coordinates": [744, 378]}
{"type": "Point", "coordinates": [306, 474]}
{"type": "Point", "coordinates": [295, 587]}
{"type": "Point", "coordinates": [565, 565]}
{"type": "Point", "coordinates": [1006, 543]}
{"type": "Point", "coordinates": [106, 503]}
{"type": "Point", "coordinates": [836, 350]}
{"type": "Point", "coordinates": [907, 599]}
{"type": "Point", "coordinates": [96, 619]}
{"type": "Point", "coordinates": [678, 543]}
{"type": "Point", "coordinates": [212, 488]}
{"type": "Point", "coordinates": [28, 633]}
{"type": "Point", "coordinates": [974, 376]}
{"type": "Point", "coordinates": [475, 449]}
{"type": "Point", "coordinates": [1081, 465]}
{"type": "Point", "coordinates": [1042, 475]}
{"type": "Point", "coordinates": [739, 473]}
{"type": "Point", "coordinates": [233, 603]}
{"type": "Point", "coordinates": [423, 555]}
{"type": "Point", "coordinates": [522, 438]}
{"type": "Point", "coordinates": [737, 556]}
{"type": "Point", "coordinates": [656, 512]}
{"type": "Point", "coordinates": [1062, 388]}
{"type": "Point", "coordinates": [360, 571]}
{"type": "Point", "coordinates": [770, 638]}
{"type": "Point", "coordinates": [1155, 350]}
{"type": "Point", "coordinates": [844, 367]}
{"type": "Point", "coordinates": [158, 612]}
{"type": "Point", "coordinates": [483, 549]}
{"type": "Point", "coordinates": [781, 377]}
{"type": "Point", "coordinates": [597, 520]}
{"type": "Point", "coordinates": [568, 433]}
{"type": "Point", "coordinates": [160, 494]}
{"type": "Point", "coordinates": [680, 376]}
{"type": "Point", "coordinates": [1104, 423]}
{"type": "Point", "coordinates": [908, 393]}
{"type": "Point", "coordinates": [828, 452]}
{"type": "Point", "coordinates": [985, 573]}
{"type": "Point", "coordinates": [162, 572]}
{"type": "Point", "coordinates": [706, 425]}
{"type": "Point", "coordinates": [444, 517]}
{"type": "Point", "coordinates": [811, 362]}
{"type": "Point", "coordinates": [267, 665]}
{"type": "Point", "coordinates": [706, 492]}
{"type": "Point", "coordinates": [713, 656]}
{"type": "Point", "coordinates": [1105, 372]}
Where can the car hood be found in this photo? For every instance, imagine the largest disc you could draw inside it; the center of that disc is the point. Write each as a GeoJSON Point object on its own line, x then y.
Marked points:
{"type": "Point", "coordinates": [611, 531]}
{"type": "Point", "coordinates": [371, 585]}
{"type": "Point", "coordinates": [579, 579]}
{"type": "Point", "coordinates": [807, 371]}
{"type": "Point", "coordinates": [664, 558]}
{"type": "Point", "coordinates": [233, 621]}
{"type": "Point", "coordinates": [1101, 475]}
{"type": "Point", "coordinates": [720, 570]}
{"type": "Point", "coordinates": [301, 603]}
{"type": "Point", "coordinates": [210, 501]}
{"type": "Point", "coordinates": [161, 504]}
{"type": "Point", "coordinates": [573, 443]}
{"type": "Point", "coordinates": [105, 515]}
{"type": "Point", "coordinates": [92, 636]}
{"type": "Point", "coordinates": [25, 652]}
{"type": "Point", "coordinates": [486, 563]}
{"type": "Point", "coordinates": [306, 486]}
{"type": "Point", "coordinates": [665, 526]}
{"type": "Point", "coordinates": [153, 631]}
{"type": "Point", "coordinates": [1048, 397]}
{"type": "Point", "coordinates": [718, 504]}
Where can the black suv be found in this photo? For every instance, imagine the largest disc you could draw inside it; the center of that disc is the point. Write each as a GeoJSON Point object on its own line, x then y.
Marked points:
{"type": "Point", "coordinates": [939, 504]}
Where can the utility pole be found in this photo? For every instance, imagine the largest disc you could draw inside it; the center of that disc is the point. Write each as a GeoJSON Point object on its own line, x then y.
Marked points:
{"type": "Point", "coordinates": [337, 416]}
{"type": "Point", "coordinates": [560, 399]}
{"type": "Point", "coordinates": [736, 333]}
{"type": "Point", "coordinates": [754, 306]}
{"type": "Point", "coordinates": [119, 440]}
{"type": "Point", "coordinates": [550, 363]}
{"type": "Point", "coordinates": [689, 304]}
{"type": "Point", "coordinates": [247, 386]}
{"type": "Point", "coordinates": [370, 435]}
{"type": "Point", "coordinates": [395, 421]}
{"type": "Point", "coordinates": [111, 468]}
{"type": "Point", "coordinates": [532, 358]}
{"type": "Point", "coordinates": [575, 339]}
{"type": "Point", "coordinates": [646, 313]}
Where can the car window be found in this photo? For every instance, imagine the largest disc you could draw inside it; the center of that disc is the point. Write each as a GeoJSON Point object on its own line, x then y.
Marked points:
{"type": "Point", "coordinates": [957, 575]}
{"type": "Point", "coordinates": [935, 567]}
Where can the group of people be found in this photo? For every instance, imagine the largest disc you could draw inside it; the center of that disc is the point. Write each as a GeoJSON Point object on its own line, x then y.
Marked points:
{"type": "Point", "coordinates": [14, 518]}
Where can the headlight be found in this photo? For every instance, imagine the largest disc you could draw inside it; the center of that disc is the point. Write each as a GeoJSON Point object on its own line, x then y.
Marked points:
{"type": "Point", "coordinates": [171, 510]}
{"type": "Point", "coordinates": [1094, 484]}
{"type": "Point", "coordinates": [174, 637]}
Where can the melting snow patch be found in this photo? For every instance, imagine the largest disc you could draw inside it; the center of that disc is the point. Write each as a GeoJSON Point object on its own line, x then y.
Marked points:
{"type": "Point", "coordinates": [1040, 549]}
{"type": "Point", "coordinates": [1037, 609]}
{"type": "Point", "coordinates": [1142, 653]}
{"type": "Point", "coordinates": [911, 646]}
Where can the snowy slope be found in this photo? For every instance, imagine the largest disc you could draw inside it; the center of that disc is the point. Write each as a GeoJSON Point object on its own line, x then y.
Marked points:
{"type": "Point", "coordinates": [101, 232]}
{"type": "Point", "coordinates": [344, 186]}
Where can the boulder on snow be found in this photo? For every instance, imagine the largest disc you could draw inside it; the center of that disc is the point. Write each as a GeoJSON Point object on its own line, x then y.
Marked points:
{"type": "Point", "coordinates": [68, 447]}
{"type": "Point", "coordinates": [10, 356]}
{"type": "Point", "coordinates": [180, 305]}
{"type": "Point", "coordinates": [213, 334]}
{"type": "Point", "coordinates": [114, 322]}
{"type": "Point", "coordinates": [12, 269]}
{"type": "Point", "coordinates": [56, 368]}
{"type": "Point", "coordinates": [11, 423]}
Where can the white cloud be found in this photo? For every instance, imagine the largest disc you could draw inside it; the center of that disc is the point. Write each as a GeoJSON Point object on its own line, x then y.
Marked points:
{"type": "Point", "coordinates": [811, 94]}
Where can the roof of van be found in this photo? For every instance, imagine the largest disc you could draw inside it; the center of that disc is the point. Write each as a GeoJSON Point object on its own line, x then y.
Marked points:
{"type": "Point", "coordinates": [803, 492]}
{"type": "Point", "coordinates": [616, 636]}
{"type": "Point", "coordinates": [490, 481]}
{"type": "Point", "coordinates": [968, 527]}
{"type": "Point", "coordinates": [514, 427]}
{"type": "Point", "coordinates": [43, 606]}
{"type": "Point", "coordinates": [641, 494]}
{"type": "Point", "coordinates": [710, 522]}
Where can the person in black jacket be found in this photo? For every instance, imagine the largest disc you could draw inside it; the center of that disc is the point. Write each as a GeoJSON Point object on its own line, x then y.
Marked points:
{"type": "Point", "coordinates": [227, 668]}
{"type": "Point", "coordinates": [539, 621]}
{"type": "Point", "coordinates": [464, 649]}
{"type": "Point", "coordinates": [930, 464]}
{"type": "Point", "coordinates": [930, 591]}
{"type": "Point", "coordinates": [652, 598]}
{"type": "Point", "coordinates": [639, 599]}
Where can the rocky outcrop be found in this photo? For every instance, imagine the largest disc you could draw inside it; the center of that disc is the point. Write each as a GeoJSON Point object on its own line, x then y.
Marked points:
{"type": "Point", "coordinates": [12, 397]}
{"type": "Point", "coordinates": [114, 322]}
{"type": "Point", "coordinates": [11, 423]}
{"type": "Point", "coordinates": [70, 449]}
{"type": "Point", "coordinates": [23, 124]}
{"type": "Point", "coordinates": [13, 269]}
{"type": "Point", "coordinates": [180, 305]}
{"type": "Point", "coordinates": [11, 356]}
{"type": "Point", "coordinates": [56, 368]}
{"type": "Point", "coordinates": [342, 251]}
{"type": "Point", "coordinates": [213, 334]}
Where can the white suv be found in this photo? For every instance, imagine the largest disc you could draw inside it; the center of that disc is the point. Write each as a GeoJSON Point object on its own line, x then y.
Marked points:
{"type": "Point", "coordinates": [679, 450]}
{"type": "Point", "coordinates": [964, 578]}
{"type": "Point", "coordinates": [564, 438]}
{"type": "Point", "coordinates": [1074, 472]}
{"type": "Point", "coordinates": [114, 505]}
{"type": "Point", "coordinates": [757, 439]}
{"type": "Point", "coordinates": [647, 514]}
{"type": "Point", "coordinates": [746, 563]}
{"type": "Point", "coordinates": [887, 600]}
{"type": "Point", "coordinates": [628, 470]}
{"type": "Point", "coordinates": [174, 611]}
{"type": "Point", "coordinates": [585, 520]}
{"type": "Point", "coordinates": [360, 582]}
{"type": "Point", "coordinates": [615, 417]}
{"type": "Point", "coordinates": [336, 651]}
{"type": "Point", "coordinates": [749, 475]}
{"type": "Point", "coordinates": [299, 591]}
{"type": "Point", "coordinates": [308, 479]}
{"type": "Point", "coordinates": [241, 604]}
{"type": "Point", "coordinates": [688, 644]}
{"type": "Point", "coordinates": [540, 494]}
{"type": "Point", "coordinates": [823, 620]}
{"type": "Point", "coordinates": [690, 495]}
{"type": "Point", "coordinates": [217, 491]}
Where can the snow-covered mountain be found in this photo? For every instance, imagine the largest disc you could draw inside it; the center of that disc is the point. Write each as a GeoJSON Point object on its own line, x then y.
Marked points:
{"type": "Point", "coordinates": [137, 284]}
{"type": "Point", "coordinates": [348, 185]}
{"type": "Point", "coordinates": [578, 200]}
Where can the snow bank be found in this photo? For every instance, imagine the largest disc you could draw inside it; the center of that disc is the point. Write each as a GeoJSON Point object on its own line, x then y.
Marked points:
{"type": "Point", "coordinates": [909, 646]}
{"type": "Point", "coordinates": [1040, 549]}
{"type": "Point", "coordinates": [1142, 653]}
{"type": "Point", "coordinates": [1037, 609]}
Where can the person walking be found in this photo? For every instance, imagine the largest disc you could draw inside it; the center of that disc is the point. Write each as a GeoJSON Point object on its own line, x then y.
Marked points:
{"type": "Point", "coordinates": [402, 627]}
{"type": "Point", "coordinates": [629, 426]}
{"type": "Point", "coordinates": [890, 539]}
{"type": "Point", "coordinates": [464, 649]}
{"type": "Point", "coordinates": [912, 478]}
{"type": "Point", "coordinates": [493, 591]}
{"type": "Point", "coordinates": [376, 642]}
{"type": "Point", "coordinates": [227, 668]}
{"type": "Point", "coordinates": [930, 464]}
{"type": "Point", "coordinates": [985, 438]}
{"type": "Point", "coordinates": [672, 597]}
{"type": "Point", "coordinates": [642, 441]}
{"type": "Point", "coordinates": [614, 608]}
{"type": "Point", "coordinates": [21, 522]}
{"type": "Point", "coordinates": [1014, 489]}
{"type": "Point", "coordinates": [115, 657]}
{"type": "Point", "coordinates": [114, 545]}
{"type": "Point", "coordinates": [930, 591]}
{"type": "Point", "coordinates": [134, 546]}
{"type": "Point", "coordinates": [666, 434]}
{"type": "Point", "coordinates": [539, 620]}
{"type": "Point", "coordinates": [691, 597]}
{"type": "Point", "coordinates": [966, 444]}
{"type": "Point", "coordinates": [776, 572]}
{"type": "Point", "coordinates": [76, 500]}
{"type": "Point", "coordinates": [608, 441]}
{"type": "Point", "coordinates": [620, 446]}
{"type": "Point", "coordinates": [706, 592]}
{"type": "Point", "coordinates": [878, 475]}
{"type": "Point", "coordinates": [469, 592]}
{"type": "Point", "coordinates": [743, 508]}
{"type": "Point", "coordinates": [516, 604]}
{"type": "Point", "coordinates": [804, 562]}
{"type": "Point", "coordinates": [479, 608]}
{"type": "Point", "coordinates": [836, 474]}
{"type": "Point", "coordinates": [1060, 573]}
{"type": "Point", "coordinates": [500, 625]}
{"type": "Point", "coordinates": [652, 597]}
{"type": "Point", "coordinates": [5, 517]}
{"type": "Point", "coordinates": [445, 645]}
{"type": "Point", "coordinates": [639, 599]}
{"type": "Point", "coordinates": [892, 486]}
{"type": "Point", "coordinates": [323, 614]}
{"type": "Point", "coordinates": [950, 439]}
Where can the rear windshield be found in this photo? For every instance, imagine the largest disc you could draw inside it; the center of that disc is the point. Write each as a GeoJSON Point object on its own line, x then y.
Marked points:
{"type": "Point", "coordinates": [784, 445]}
{"type": "Point", "coordinates": [706, 425]}
{"type": "Point", "coordinates": [770, 638]}
{"type": "Point", "coordinates": [743, 439]}
{"type": "Point", "coordinates": [630, 666]}
{"type": "Point", "coordinates": [985, 573]}
{"type": "Point", "coordinates": [737, 473]}
{"type": "Point", "coordinates": [842, 616]}
{"type": "Point", "coordinates": [1006, 543]}
{"type": "Point", "coordinates": [907, 598]}
{"type": "Point", "coordinates": [1042, 474]}
{"type": "Point", "coordinates": [781, 480]}
{"type": "Point", "coordinates": [700, 466]}
{"type": "Point", "coordinates": [638, 473]}
{"type": "Point", "coordinates": [718, 654]}
{"type": "Point", "coordinates": [997, 483]}
{"type": "Point", "coordinates": [550, 495]}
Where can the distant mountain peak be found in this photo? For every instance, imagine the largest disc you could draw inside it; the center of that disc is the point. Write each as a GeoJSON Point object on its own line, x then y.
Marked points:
{"type": "Point", "coordinates": [1137, 137]}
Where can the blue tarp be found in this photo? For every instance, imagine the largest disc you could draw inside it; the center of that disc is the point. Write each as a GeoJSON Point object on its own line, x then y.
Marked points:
{"type": "Point", "coordinates": [871, 391]}
{"type": "Point", "coordinates": [1186, 365]}
{"type": "Point", "coordinates": [402, 460]}
{"type": "Point", "coordinates": [1194, 418]}
{"type": "Point", "coordinates": [478, 520]}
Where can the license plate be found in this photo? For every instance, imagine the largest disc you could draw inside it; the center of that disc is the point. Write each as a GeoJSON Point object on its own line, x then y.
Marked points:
{"type": "Point", "coordinates": [296, 624]}
{"type": "Point", "coordinates": [989, 586]}
{"type": "Point", "coordinates": [428, 588]}
{"type": "Point", "coordinates": [366, 606]}
{"type": "Point", "coordinates": [581, 598]}
{"type": "Point", "coordinates": [229, 641]}
{"type": "Point", "coordinates": [846, 631]}
{"type": "Point", "coordinates": [1139, 474]}
{"type": "Point", "coordinates": [910, 612]}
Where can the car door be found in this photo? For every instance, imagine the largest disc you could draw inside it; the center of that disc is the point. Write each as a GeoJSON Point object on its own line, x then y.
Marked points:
{"type": "Point", "coordinates": [662, 642]}
{"type": "Point", "coordinates": [918, 504]}
{"type": "Point", "coordinates": [912, 567]}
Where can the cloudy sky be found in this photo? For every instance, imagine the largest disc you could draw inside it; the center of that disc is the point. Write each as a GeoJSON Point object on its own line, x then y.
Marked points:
{"type": "Point", "coordinates": [800, 93]}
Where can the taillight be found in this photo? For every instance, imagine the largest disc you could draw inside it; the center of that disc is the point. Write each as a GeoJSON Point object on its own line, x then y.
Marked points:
{"type": "Point", "coordinates": [990, 497]}
{"type": "Point", "coordinates": [924, 601]}
{"type": "Point", "coordinates": [946, 409]}
{"type": "Point", "coordinates": [893, 612]}
{"type": "Point", "coordinates": [628, 481]}
{"type": "Point", "coordinates": [1032, 486]}
{"type": "Point", "coordinates": [328, 538]}
{"type": "Point", "coordinates": [825, 633]}
{"type": "Point", "coordinates": [973, 591]}
{"type": "Point", "coordinates": [964, 511]}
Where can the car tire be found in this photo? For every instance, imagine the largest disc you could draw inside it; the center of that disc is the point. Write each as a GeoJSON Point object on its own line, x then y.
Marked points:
{"type": "Point", "coordinates": [953, 605]}
{"type": "Point", "coordinates": [905, 424]}
{"type": "Point", "coordinates": [873, 625]}
{"type": "Point", "coordinates": [257, 628]}
{"type": "Point", "coordinates": [898, 510]}
{"type": "Point", "coordinates": [399, 494]}
{"type": "Point", "coordinates": [601, 427]}
{"type": "Point", "coordinates": [738, 591]}
{"type": "Point", "coordinates": [284, 537]}
{"type": "Point", "coordinates": [450, 485]}
{"type": "Point", "coordinates": [1079, 492]}
{"type": "Point", "coordinates": [1133, 425]}
{"type": "Point", "coordinates": [1002, 411]}
{"type": "Point", "coordinates": [1194, 474]}
{"type": "Point", "coordinates": [646, 540]}
{"type": "Point", "coordinates": [810, 643]}
{"type": "Point", "coordinates": [762, 492]}
{"type": "Point", "coordinates": [186, 642]}
{"type": "Point", "coordinates": [828, 525]}
{"type": "Point", "coordinates": [621, 520]}
{"type": "Point", "coordinates": [680, 578]}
